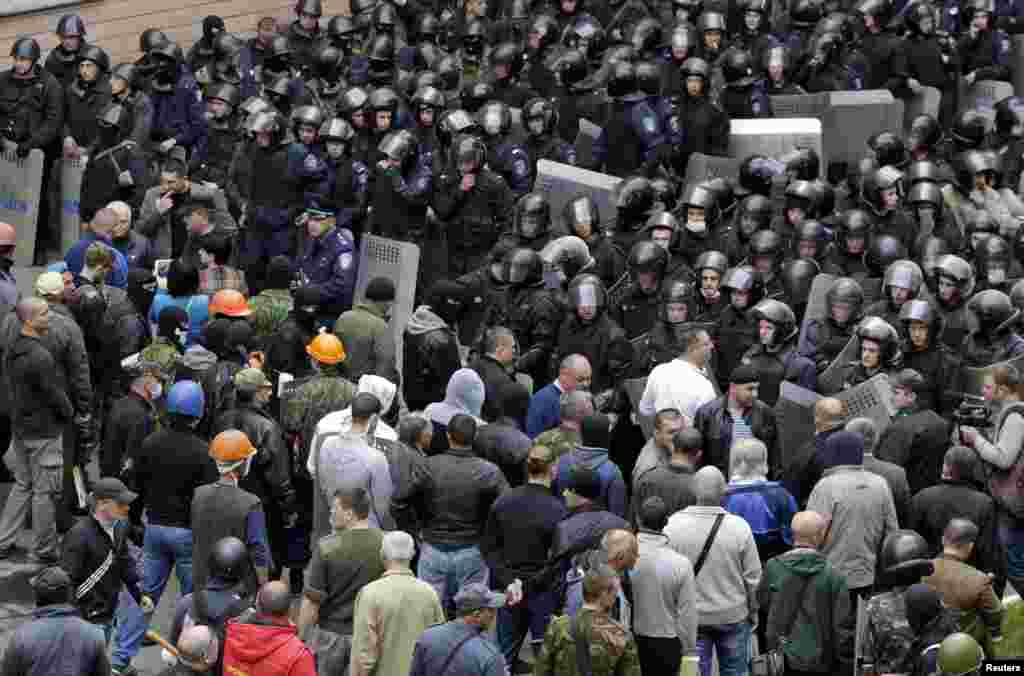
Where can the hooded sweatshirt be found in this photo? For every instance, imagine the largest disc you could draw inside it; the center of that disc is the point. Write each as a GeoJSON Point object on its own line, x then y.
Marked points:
{"type": "Point", "coordinates": [821, 638]}
{"type": "Point", "coordinates": [613, 487]}
{"type": "Point", "coordinates": [423, 320]}
{"type": "Point", "coordinates": [258, 645]}
{"type": "Point", "coordinates": [465, 394]}
{"type": "Point", "coordinates": [340, 422]}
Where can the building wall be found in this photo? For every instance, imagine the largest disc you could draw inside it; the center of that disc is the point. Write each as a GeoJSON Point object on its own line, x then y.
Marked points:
{"type": "Point", "coordinates": [115, 25]}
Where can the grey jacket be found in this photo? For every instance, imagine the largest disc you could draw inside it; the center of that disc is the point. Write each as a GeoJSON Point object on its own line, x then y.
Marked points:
{"type": "Point", "coordinates": [158, 226]}
{"type": "Point", "coordinates": [664, 593]}
{"type": "Point", "coordinates": [56, 641]}
{"type": "Point", "coordinates": [862, 512]}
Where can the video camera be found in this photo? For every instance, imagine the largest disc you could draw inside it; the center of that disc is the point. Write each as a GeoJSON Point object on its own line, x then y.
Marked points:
{"type": "Point", "coordinates": [973, 412]}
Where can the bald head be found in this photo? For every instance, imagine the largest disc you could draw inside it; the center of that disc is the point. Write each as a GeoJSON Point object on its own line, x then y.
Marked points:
{"type": "Point", "coordinates": [960, 533]}
{"type": "Point", "coordinates": [197, 647]}
{"type": "Point", "coordinates": [104, 221]}
{"type": "Point", "coordinates": [829, 413]}
{"type": "Point", "coordinates": [29, 307]}
{"type": "Point", "coordinates": [709, 486]}
{"type": "Point", "coordinates": [809, 529]}
{"type": "Point", "coordinates": [621, 548]}
{"type": "Point", "coordinates": [275, 599]}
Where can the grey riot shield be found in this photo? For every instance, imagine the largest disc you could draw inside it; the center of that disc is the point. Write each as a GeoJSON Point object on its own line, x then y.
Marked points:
{"type": "Point", "coordinates": [585, 139]}
{"type": "Point", "coordinates": [562, 182]}
{"type": "Point", "coordinates": [794, 414]}
{"type": "Point", "coordinates": [871, 399]}
{"type": "Point", "coordinates": [852, 116]}
{"type": "Point", "coordinates": [20, 187]}
{"type": "Point", "coordinates": [399, 262]}
{"type": "Point", "coordinates": [71, 172]}
{"type": "Point", "coordinates": [924, 103]}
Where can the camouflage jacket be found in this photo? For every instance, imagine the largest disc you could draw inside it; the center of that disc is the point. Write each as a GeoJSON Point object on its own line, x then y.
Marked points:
{"type": "Point", "coordinates": [269, 310]}
{"type": "Point", "coordinates": [888, 639]}
{"type": "Point", "coordinates": [305, 405]}
{"type": "Point", "coordinates": [559, 441]}
{"type": "Point", "coordinates": [160, 358]}
{"type": "Point", "coordinates": [612, 648]}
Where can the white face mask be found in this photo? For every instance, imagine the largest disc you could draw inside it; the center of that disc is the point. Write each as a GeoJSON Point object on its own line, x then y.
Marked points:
{"type": "Point", "coordinates": [996, 275]}
{"type": "Point", "coordinates": [697, 227]}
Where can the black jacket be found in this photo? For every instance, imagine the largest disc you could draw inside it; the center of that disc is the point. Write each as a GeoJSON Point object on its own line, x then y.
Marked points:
{"type": "Point", "coordinates": [82, 107]}
{"type": "Point", "coordinates": [130, 421]}
{"type": "Point", "coordinates": [39, 406]}
{"type": "Point", "coordinates": [31, 109]}
{"type": "Point", "coordinates": [917, 443]}
{"type": "Point", "coordinates": [459, 496]}
{"type": "Point", "coordinates": [495, 377]}
{"type": "Point", "coordinates": [714, 421]}
{"type": "Point", "coordinates": [86, 547]}
{"type": "Point", "coordinates": [430, 357]}
{"type": "Point", "coordinates": [270, 477]}
{"type": "Point", "coordinates": [520, 530]}
{"type": "Point", "coordinates": [504, 443]}
{"type": "Point", "coordinates": [168, 468]}
{"type": "Point", "coordinates": [56, 641]}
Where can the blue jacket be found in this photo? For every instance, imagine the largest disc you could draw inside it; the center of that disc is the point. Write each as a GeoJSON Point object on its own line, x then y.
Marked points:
{"type": "Point", "coordinates": [179, 114]}
{"type": "Point", "coordinates": [329, 263]}
{"type": "Point", "coordinates": [75, 260]}
{"type": "Point", "coordinates": [646, 124]}
{"type": "Point", "coordinates": [356, 193]}
{"type": "Point", "coordinates": [768, 509]}
{"type": "Point", "coordinates": [197, 307]}
{"type": "Point", "coordinates": [545, 411]}
{"type": "Point", "coordinates": [511, 160]}
{"type": "Point", "coordinates": [479, 656]}
{"type": "Point", "coordinates": [56, 641]}
{"type": "Point", "coordinates": [613, 487]}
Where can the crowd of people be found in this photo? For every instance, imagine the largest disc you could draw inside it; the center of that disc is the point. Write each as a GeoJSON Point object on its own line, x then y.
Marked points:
{"type": "Point", "coordinates": [580, 437]}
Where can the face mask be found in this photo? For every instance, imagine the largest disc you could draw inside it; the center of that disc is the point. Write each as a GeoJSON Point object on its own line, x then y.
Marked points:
{"type": "Point", "coordinates": [181, 336]}
{"type": "Point", "coordinates": [697, 227]}
{"type": "Point", "coordinates": [536, 126]}
{"type": "Point", "coordinates": [996, 275]}
{"type": "Point", "coordinates": [156, 390]}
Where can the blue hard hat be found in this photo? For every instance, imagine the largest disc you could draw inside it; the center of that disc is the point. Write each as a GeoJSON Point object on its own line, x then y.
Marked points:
{"type": "Point", "coordinates": [186, 398]}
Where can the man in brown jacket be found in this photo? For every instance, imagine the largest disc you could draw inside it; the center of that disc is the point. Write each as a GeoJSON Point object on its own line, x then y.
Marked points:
{"type": "Point", "coordinates": [964, 587]}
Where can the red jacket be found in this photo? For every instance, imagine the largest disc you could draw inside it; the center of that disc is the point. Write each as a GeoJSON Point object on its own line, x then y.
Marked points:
{"type": "Point", "coordinates": [256, 645]}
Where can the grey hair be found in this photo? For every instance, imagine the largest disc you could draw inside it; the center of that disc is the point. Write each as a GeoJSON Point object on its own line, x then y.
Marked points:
{"type": "Point", "coordinates": [491, 338]}
{"type": "Point", "coordinates": [573, 405]}
{"type": "Point", "coordinates": [28, 307]}
{"type": "Point", "coordinates": [709, 486]}
{"type": "Point", "coordinates": [868, 431]}
{"type": "Point", "coordinates": [573, 361]}
{"type": "Point", "coordinates": [397, 546]}
{"type": "Point", "coordinates": [748, 459]}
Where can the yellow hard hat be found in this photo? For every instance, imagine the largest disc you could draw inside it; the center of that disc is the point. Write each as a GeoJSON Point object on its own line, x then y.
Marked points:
{"type": "Point", "coordinates": [231, 446]}
{"type": "Point", "coordinates": [326, 348]}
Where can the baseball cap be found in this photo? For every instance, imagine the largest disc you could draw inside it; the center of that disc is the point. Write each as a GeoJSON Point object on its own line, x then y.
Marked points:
{"type": "Point", "coordinates": [250, 380]}
{"type": "Point", "coordinates": [51, 580]}
{"type": "Point", "coordinates": [109, 488]}
{"type": "Point", "coordinates": [49, 283]}
{"type": "Point", "coordinates": [475, 596]}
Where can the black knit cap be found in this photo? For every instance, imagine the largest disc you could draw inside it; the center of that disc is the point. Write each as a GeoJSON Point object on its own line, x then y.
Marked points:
{"type": "Point", "coordinates": [744, 374]}
{"type": "Point", "coordinates": [380, 290]}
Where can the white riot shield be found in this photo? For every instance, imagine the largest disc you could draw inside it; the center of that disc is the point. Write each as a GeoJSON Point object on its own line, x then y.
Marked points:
{"type": "Point", "coordinates": [20, 187]}
{"type": "Point", "coordinates": [399, 262]}
{"type": "Point", "coordinates": [799, 105]}
{"type": "Point", "coordinates": [983, 96]}
{"type": "Point", "coordinates": [701, 167]}
{"type": "Point", "coordinates": [71, 172]}
{"type": "Point", "coordinates": [585, 140]}
{"type": "Point", "coordinates": [562, 182]}
{"type": "Point", "coordinates": [774, 136]}
{"type": "Point", "coordinates": [926, 102]}
{"type": "Point", "coordinates": [851, 117]}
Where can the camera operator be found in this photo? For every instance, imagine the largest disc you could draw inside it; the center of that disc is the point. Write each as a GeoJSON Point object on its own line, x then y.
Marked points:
{"type": "Point", "coordinates": [1005, 464]}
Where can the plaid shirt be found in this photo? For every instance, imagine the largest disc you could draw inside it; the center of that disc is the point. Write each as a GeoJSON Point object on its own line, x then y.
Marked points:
{"type": "Point", "coordinates": [219, 277]}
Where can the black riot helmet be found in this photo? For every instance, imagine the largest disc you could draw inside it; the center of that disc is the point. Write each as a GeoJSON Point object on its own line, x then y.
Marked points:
{"type": "Point", "coordinates": [880, 183]}
{"type": "Point", "coordinates": [755, 214]}
{"type": "Point", "coordinates": [695, 67]}
{"type": "Point", "coordinates": [925, 198]}
{"type": "Point", "coordinates": [648, 78]}
{"type": "Point", "coordinates": [757, 173]}
{"type": "Point", "coordinates": [450, 71]}
{"type": "Point", "coordinates": [385, 17]}
{"type": "Point", "coordinates": [922, 171]}
{"type": "Point", "coordinates": [126, 72]}
{"type": "Point", "coordinates": [427, 28]}
{"type": "Point", "coordinates": [342, 32]}
{"type": "Point", "coordinates": [845, 290]}
{"type": "Point", "coordinates": [676, 292]}
{"type": "Point", "coordinates": [646, 36]}
{"type": "Point", "coordinates": [328, 61]}
{"type": "Point", "coordinates": [510, 55]}
{"type": "Point", "coordinates": [475, 94]}
{"type": "Point", "coordinates": [634, 197]}
{"type": "Point", "coordinates": [399, 146]}
{"type": "Point", "coordinates": [814, 233]}
{"type": "Point", "coordinates": [969, 130]}
{"type": "Point", "coordinates": [269, 122]}
{"type": "Point", "coordinates": [903, 551]}
{"type": "Point", "coordinates": [738, 68]}
{"type": "Point", "coordinates": [700, 196]}
{"type": "Point", "coordinates": [888, 148]}
{"type": "Point", "coordinates": [539, 116]}
{"type": "Point", "coordinates": [766, 244]}
{"type": "Point", "coordinates": [229, 560]}
{"type": "Point", "coordinates": [543, 33]}
{"type": "Point", "coordinates": [744, 278]}
{"type": "Point", "coordinates": [533, 216]}
{"type": "Point", "coordinates": [956, 272]}
{"type": "Point", "coordinates": [469, 150]}
{"type": "Point", "coordinates": [581, 217]}
{"type": "Point", "coordinates": [971, 163]}
{"type": "Point", "coordinates": [428, 98]}
{"type": "Point", "coordinates": [801, 194]}
{"type": "Point", "coordinates": [712, 260]}
{"type": "Point", "coordinates": [71, 25]}
{"type": "Point", "coordinates": [381, 52]}
{"type": "Point", "coordinates": [1009, 121]}
{"type": "Point", "coordinates": [307, 116]}
{"type": "Point", "coordinates": [451, 124]}
{"type": "Point", "coordinates": [226, 92]}
{"type": "Point", "coordinates": [384, 98]}
{"type": "Point", "coordinates": [992, 257]}
{"type": "Point", "coordinates": [854, 224]}
{"type": "Point", "coordinates": [887, 337]}
{"type": "Point", "coordinates": [882, 252]}
{"type": "Point", "coordinates": [587, 291]}
{"type": "Point", "coordinates": [353, 100]}
{"type": "Point", "coordinates": [25, 48]}
{"type": "Point", "coordinates": [802, 164]}
{"type": "Point", "coordinates": [920, 311]}
{"type": "Point", "coordinates": [337, 130]}
{"type": "Point", "coordinates": [495, 119]}
{"type": "Point", "coordinates": [524, 267]}
{"type": "Point", "coordinates": [586, 34]}
{"type": "Point", "coordinates": [113, 117]}
{"type": "Point", "coordinates": [95, 55]}
{"type": "Point", "coordinates": [920, 19]}
{"type": "Point", "coordinates": [995, 312]}
{"type": "Point", "coordinates": [665, 192]}
{"type": "Point", "coordinates": [925, 133]}
{"type": "Point", "coordinates": [571, 67]}
{"type": "Point", "coordinates": [805, 14]}
{"type": "Point", "coordinates": [474, 37]}
{"type": "Point", "coordinates": [647, 257]}
{"type": "Point", "coordinates": [797, 277]}
{"type": "Point", "coordinates": [622, 85]}
{"type": "Point", "coordinates": [781, 316]}
{"type": "Point", "coordinates": [279, 50]}
{"type": "Point", "coordinates": [310, 7]}
{"type": "Point", "coordinates": [683, 41]}
{"type": "Point", "coordinates": [903, 274]}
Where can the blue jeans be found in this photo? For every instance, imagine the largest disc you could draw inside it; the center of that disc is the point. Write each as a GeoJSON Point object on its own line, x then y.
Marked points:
{"type": "Point", "coordinates": [448, 568]}
{"type": "Point", "coordinates": [130, 621]}
{"type": "Point", "coordinates": [533, 613]}
{"type": "Point", "coordinates": [164, 547]}
{"type": "Point", "coordinates": [731, 642]}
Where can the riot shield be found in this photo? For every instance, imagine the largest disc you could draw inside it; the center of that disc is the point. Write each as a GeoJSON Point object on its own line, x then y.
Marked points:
{"type": "Point", "coordinates": [794, 414]}
{"type": "Point", "coordinates": [926, 102]}
{"type": "Point", "coordinates": [71, 172]}
{"type": "Point", "coordinates": [973, 378]}
{"type": "Point", "coordinates": [774, 136]}
{"type": "Point", "coordinates": [701, 167]}
{"type": "Point", "coordinates": [518, 131]}
{"type": "Point", "coordinates": [634, 388]}
{"type": "Point", "coordinates": [562, 182]}
{"type": "Point", "coordinates": [1017, 59]}
{"type": "Point", "coordinates": [871, 399]}
{"type": "Point", "coordinates": [816, 301]}
{"type": "Point", "coordinates": [832, 379]}
{"type": "Point", "coordinates": [851, 117]}
{"type": "Point", "coordinates": [20, 187]}
{"type": "Point", "coordinates": [799, 105]}
{"type": "Point", "coordinates": [399, 262]}
{"type": "Point", "coordinates": [585, 140]}
{"type": "Point", "coordinates": [984, 95]}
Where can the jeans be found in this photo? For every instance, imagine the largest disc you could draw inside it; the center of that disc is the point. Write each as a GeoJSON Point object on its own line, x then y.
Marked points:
{"type": "Point", "coordinates": [1011, 536]}
{"type": "Point", "coordinates": [533, 614]}
{"type": "Point", "coordinates": [163, 547]}
{"type": "Point", "coordinates": [448, 568]}
{"type": "Point", "coordinates": [38, 469]}
{"type": "Point", "coordinates": [130, 620]}
{"type": "Point", "coordinates": [731, 642]}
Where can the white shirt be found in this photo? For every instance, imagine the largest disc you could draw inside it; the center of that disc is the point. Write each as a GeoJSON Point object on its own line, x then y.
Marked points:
{"type": "Point", "coordinates": [676, 384]}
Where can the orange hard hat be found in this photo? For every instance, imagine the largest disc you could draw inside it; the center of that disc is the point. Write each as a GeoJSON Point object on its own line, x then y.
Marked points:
{"type": "Point", "coordinates": [8, 236]}
{"type": "Point", "coordinates": [326, 349]}
{"type": "Point", "coordinates": [230, 303]}
{"type": "Point", "coordinates": [231, 446]}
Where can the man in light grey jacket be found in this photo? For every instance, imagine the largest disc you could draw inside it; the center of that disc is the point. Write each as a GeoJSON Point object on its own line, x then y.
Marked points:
{"type": "Point", "coordinates": [727, 575]}
{"type": "Point", "coordinates": [859, 507]}
{"type": "Point", "coordinates": [664, 597]}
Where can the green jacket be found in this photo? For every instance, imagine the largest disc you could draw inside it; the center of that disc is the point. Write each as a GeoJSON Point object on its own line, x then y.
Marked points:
{"type": "Point", "coordinates": [269, 310]}
{"type": "Point", "coordinates": [559, 441]}
{"type": "Point", "coordinates": [612, 648]}
{"type": "Point", "coordinates": [369, 342]}
{"type": "Point", "coordinates": [821, 638]}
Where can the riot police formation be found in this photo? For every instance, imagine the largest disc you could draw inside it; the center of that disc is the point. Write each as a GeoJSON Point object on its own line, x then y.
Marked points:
{"type": "Point", "coordinates": [538, 210]}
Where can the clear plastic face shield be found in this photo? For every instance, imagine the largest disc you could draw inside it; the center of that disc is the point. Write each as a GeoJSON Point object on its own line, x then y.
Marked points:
{"type": "Point", "coordinates": [695, 222]}
{"type": "Point", "coordinates": [766, 332]}
{"type": "Point", "coordinates": [841, 313]}
{"type": "Point", "coordinates": [335, 149]}
{"type": "Point", "coordinates": [740, 298]}
{"type": "Point", "coordinates": [582, 221]}
{"type": "Point", "coordinates": [870, 354]}
{"type": "Point", "coordinates": [586, 302]}
{"type": "Point", "coordinates": [662, 237]}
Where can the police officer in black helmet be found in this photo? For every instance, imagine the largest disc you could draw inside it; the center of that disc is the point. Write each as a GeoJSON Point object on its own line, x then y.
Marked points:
{"type": "Point", "coordinates": [996, 338]}
{"type": "Point", "coordinates": [924, 352]}
{"type": "Point", "coordinates": [663, 343]}
{"type": "Point", "coordinates": [304, 34]}
{"type": "Point", "coordinates": [582, 218]}
{"type": "Point", "coordinates": [534, 314]}
{"type": "Point", "coordinates": [506, 65]}
{"type": "Point", "coordinates": [634, 303]}
{"type": "Point", "coordinates": [531, 224]}
{"type": "Point", "coordinates": [825, 338]}
{"type": "Point", "coordinates": [775, 355]}
{"type": "Point", "coordinates": [540, 118]}
{"type": "Point", "coordinates": [633, 127]}
{"type": "Point", "coordinates": [736, 331]}
{"type": "Point", "coordinates": [62, 61]}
